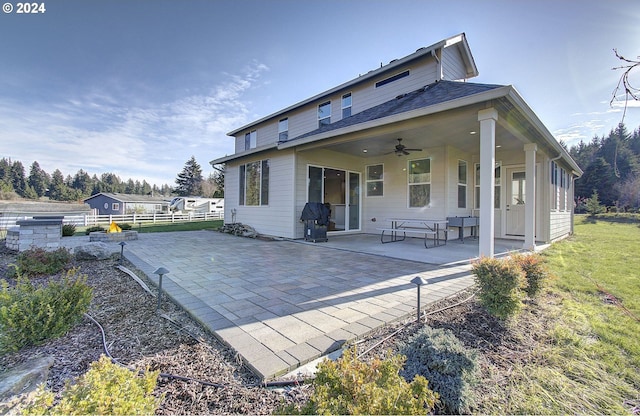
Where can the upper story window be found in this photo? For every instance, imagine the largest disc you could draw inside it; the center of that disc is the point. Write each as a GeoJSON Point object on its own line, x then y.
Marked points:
{"type": "Point", "coordinates": [324, 114]}
{"type": "Point", "coordinates": [392, 78]}
{"type": "Point", "coordinates": [250, 140]}
{"type": "Point", "coordinates": [346, 105]}
{"type": "Point", "coordinates": [283, 130]}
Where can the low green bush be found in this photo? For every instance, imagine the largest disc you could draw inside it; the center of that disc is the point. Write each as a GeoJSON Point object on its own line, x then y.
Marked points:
{"type": "Point", "coordinates": [349, 386]}
{"type": "Point", "coordinates": [125, 226]}
{"type": "Point", "coordinates": [535, 272]}
{"type": "Point", "coordinates": [106, 389]}
{"type": "Point", "coordinates": [499, 281]}
{"type": "Point", "coordinates": [94, 228]}
{"type": "Point", "coordinates": [38, 261]}
{"type": "Point", "coordinates": [452, 369]}
{"type": "Point", "coordinates": [30, 314]}
{"type": "Point", "coordinates": [68, 230]}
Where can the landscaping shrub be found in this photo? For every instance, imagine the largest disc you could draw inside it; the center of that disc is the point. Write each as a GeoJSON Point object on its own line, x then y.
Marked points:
{"type": "Point", "coordinates": [499, 282]}
{"type": "Point", "coordinates": [31, 314]}
{"type": "Point", "coordinates": [535, 272]}
{"type": "Point", "coordinates": [350, 386]}
{"type": "Point", "coordinates": [68, 230]}
{"type": "Point", "coordinates": [94, 229]}
{"type": "Point", "coordinates": [452, 370]}
{"type": "Point", "coordinates": [106, 389]}
{"type": "Point", "coordinates": [36, 261]}
{"type": "Point", "coordinates": [125, 226]}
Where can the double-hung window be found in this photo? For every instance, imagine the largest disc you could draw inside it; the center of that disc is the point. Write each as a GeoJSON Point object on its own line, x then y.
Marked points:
{"type": "Point", "coordinates": [346, 105]}
{"type": "Point", "coordinates": [283, 130]}
{"type": "Point", "coordinates": [419, 182]}
{"type": "Point", "coordinates": [375, 180]}
{"type": "Point", "coordinates": [250, 140]}
{"type": "Point", "coordinates": [462, 184]}
{"type": "Point", "coordinates": [254, 183]}
{"type": "Point", "coordinates": [324, 114]}
{"type": "Point", "coordinates": [496, 187]}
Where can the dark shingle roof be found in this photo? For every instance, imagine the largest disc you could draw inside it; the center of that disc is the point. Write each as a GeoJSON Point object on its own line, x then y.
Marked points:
{"type": "Point", "coordinates": [436, 93]}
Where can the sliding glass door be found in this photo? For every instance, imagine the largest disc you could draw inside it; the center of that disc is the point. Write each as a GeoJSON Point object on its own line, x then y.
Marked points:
{"type": "Point", "coordinates": [341, 191]}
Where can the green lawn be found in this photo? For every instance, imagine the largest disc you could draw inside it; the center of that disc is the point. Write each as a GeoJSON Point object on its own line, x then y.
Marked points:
{"type": "Point", "coordinates": [589, 362]}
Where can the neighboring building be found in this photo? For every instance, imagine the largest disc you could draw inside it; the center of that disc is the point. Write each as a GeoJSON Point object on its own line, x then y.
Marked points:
{"type": "Point", "coordinates": [120, 204]}
{"type": "Point", "coordinates": [466, 149]}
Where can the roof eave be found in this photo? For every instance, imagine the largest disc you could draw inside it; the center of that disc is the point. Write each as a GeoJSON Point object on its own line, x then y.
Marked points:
{"type": "Point", "coordinates": [254, 151]}
{"type": "Point", "coordinates": [550, 140]}
{"type": "Point", "coordinates": [420, 112]}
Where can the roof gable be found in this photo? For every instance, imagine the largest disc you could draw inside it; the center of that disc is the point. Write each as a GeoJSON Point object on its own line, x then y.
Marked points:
{"type": "Point", "coordinates": [459, 41]}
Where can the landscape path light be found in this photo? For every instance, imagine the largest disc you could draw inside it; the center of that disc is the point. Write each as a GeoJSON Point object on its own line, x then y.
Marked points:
{"type": "Point", "coordinates": [122, 244]}
{"type": "Point", "coordinates": [419, 281]}
{"type": "Point", "coordinates": [160, 272]}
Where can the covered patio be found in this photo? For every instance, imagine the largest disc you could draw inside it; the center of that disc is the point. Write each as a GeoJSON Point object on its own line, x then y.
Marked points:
{"type": "Point", "coordinates": [455, 252]}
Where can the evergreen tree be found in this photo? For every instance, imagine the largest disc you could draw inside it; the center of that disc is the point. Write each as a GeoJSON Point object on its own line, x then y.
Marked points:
{"type": "Point", "coordinates": [189, 181]}
{"type": "Point", "coordinates": [82, 183]}
{"type": "Point", "coordinates": [58, 190]}
{"type": "Point", "coordinates": [38, 179]}
{"type": "Point", "coordinates": [218, 178]}
{"type": "Point", "coordinates": [18, 178]}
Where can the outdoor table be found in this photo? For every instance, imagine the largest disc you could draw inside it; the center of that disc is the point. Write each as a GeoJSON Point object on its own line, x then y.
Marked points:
{"type": "Point", "coordinates": [426, 227]}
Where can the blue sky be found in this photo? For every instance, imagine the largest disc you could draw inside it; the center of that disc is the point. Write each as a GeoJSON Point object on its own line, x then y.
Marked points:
{"type": "Point", "coordinates": [136, 87]}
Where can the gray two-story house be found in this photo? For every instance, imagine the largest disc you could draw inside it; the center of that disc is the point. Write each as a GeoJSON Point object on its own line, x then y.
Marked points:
{"type": "Point", "coordinates": [412, 139]}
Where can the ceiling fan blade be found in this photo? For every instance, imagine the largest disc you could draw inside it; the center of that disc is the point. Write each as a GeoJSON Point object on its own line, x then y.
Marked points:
{"type": "Point", "coordinates": [413, 150]}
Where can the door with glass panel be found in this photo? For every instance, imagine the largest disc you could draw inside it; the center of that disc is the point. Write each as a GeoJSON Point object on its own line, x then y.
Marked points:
{"type": "Point", "coordinates": [516, 200]}
{"type": "Point", "coordinates": [340, 190]}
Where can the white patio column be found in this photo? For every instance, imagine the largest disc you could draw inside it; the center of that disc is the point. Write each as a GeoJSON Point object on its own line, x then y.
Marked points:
{"type": "Point", "coordinates": [530, 197]}
{"type": "Point", "coordinates": [487, 119]}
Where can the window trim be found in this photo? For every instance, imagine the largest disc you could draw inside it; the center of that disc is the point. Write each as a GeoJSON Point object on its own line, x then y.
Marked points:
{"type": "Point", "coordinates": [497, 185]}
{"type": "Point", "coordinates": [463, 184]}
{"type": "Point", "coordinates": [262, 182]}
{"type": "Point", "coordinates": [393, 78]}
{"type": "Point", "coordinates": [349, 107]}
{"type": "Point", "coordinates": [321, 121]}
{"type": "Point", "coordinates": [115, 206]}
{"type": "Point", "coordinates": [367, 181]}
{"type": "Point", "coordinates": [251, 140]}
{"type": "Point", "coordinates": [410, 184]}
{"type": "Point", "coordinates": [283, 134]}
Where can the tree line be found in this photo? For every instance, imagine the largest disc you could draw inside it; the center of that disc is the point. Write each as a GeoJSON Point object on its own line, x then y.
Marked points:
{"type": "Point", "coordinates": [14, 182]}
{"type": "Point", "coordinates": [611, 168]}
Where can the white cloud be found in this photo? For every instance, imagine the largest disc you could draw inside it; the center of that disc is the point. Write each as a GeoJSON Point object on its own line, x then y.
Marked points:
{"type": "Point", "coordinates": [102, 133]}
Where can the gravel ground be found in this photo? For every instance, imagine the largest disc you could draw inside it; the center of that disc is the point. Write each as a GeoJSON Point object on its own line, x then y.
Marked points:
{"type": "Point", "coordinates": [137, 336]}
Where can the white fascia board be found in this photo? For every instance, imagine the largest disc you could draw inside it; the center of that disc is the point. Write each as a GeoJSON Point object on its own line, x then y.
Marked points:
{"type": "Point", "coordinates": [245, 153]}
{"type": "Point", "coordinates": [408, 115]}
{"type": "Point", "coordinates": [531, 116]}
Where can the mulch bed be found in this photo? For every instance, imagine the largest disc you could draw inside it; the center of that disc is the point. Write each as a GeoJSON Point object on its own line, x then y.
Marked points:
{"type": "Point", "coordinates": [137, 336]}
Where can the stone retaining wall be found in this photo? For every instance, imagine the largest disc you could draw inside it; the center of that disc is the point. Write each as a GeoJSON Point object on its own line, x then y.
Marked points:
{"type": "Point", "coordinates": [113, 237]}
{"type": "Point", "coordinates": [41, 233]}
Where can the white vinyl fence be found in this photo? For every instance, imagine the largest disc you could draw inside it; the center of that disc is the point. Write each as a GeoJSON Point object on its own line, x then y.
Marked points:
{"type": "Point", "coordinates": [87, 220]}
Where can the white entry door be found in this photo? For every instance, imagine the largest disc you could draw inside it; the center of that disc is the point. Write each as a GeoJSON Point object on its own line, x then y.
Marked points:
{"type": "Point", "coordinates": [516, 199]}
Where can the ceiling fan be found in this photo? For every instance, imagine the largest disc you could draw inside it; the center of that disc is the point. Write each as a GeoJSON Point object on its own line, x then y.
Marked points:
{"type": "Point", "coordinates": [402, 149]}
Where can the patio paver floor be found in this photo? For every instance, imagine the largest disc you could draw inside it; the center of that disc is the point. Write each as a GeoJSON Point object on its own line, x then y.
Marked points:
{"type": "Point", "coordinates": [281, 304]}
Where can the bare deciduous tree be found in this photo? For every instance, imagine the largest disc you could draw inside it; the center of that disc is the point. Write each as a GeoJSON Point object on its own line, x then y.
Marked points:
{"type": "Point", "coordinates": [624, 83]}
